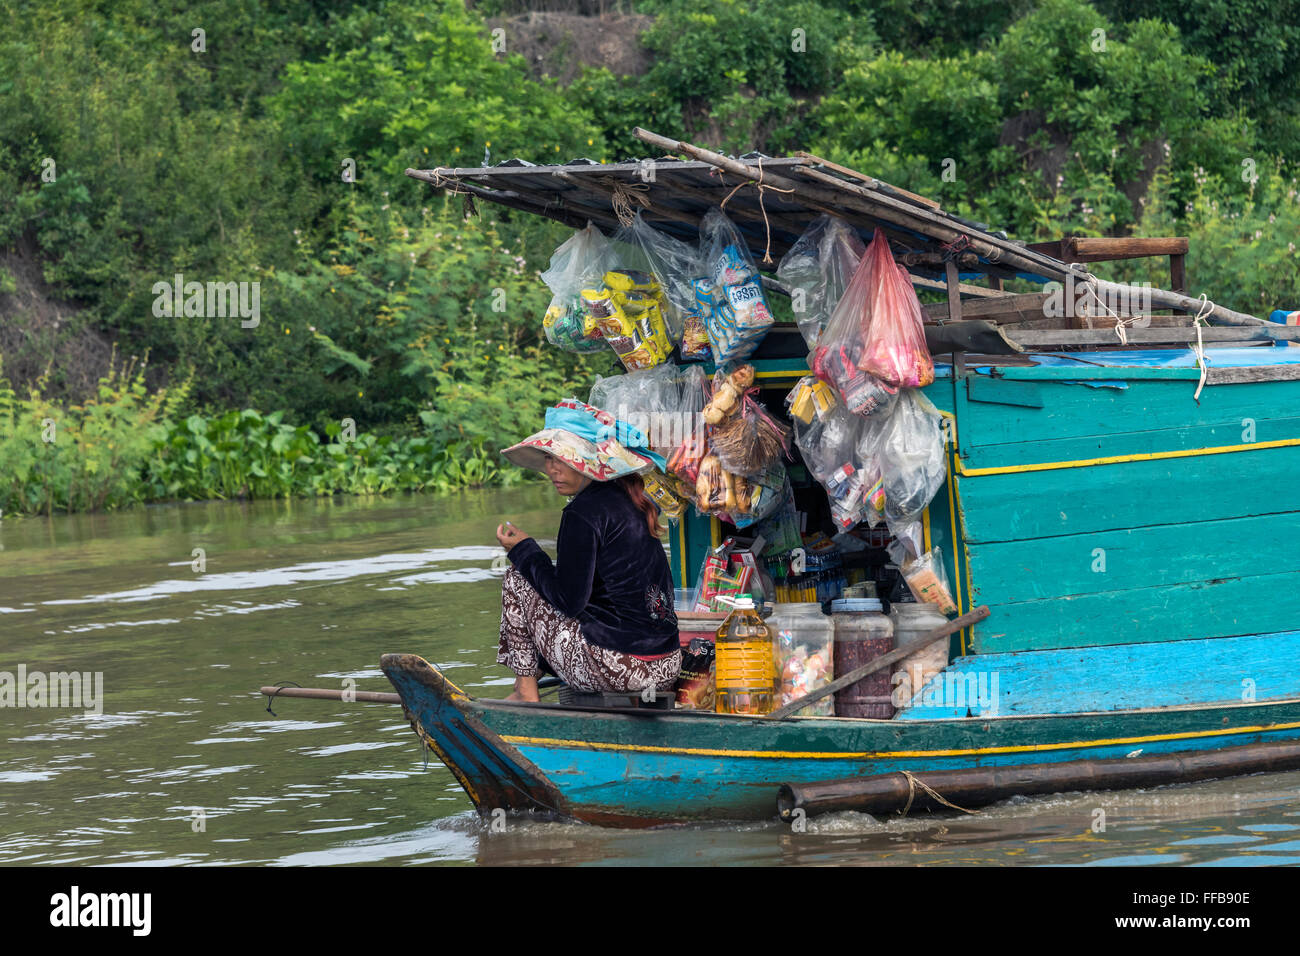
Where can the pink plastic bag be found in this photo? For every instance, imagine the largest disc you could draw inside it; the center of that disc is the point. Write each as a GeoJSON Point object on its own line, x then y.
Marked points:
{"type": "Point", "coordinates": [895, 350]}
{"type": "Point", "coordinates": [840, 348]}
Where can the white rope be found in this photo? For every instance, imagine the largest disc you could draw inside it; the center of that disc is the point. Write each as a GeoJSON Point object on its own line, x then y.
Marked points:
{"type": "Point", "coordinates": [1206, 307]}
{"type": "Point", "coordinates": [1120, 324]}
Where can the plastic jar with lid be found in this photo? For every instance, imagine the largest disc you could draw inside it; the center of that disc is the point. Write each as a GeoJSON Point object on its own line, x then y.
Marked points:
{"type": "Point", "coordinates": [862, 633]}
{"type": "Point", "coordinates": [912, 621]}
{"type": "Point", "coordinates": [804, 649]}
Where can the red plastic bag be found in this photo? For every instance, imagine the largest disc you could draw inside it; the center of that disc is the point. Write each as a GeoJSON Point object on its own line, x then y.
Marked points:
{"type": "Point", "coordinates": [895, 350]}
{"type": "Point", "coordinates": [842, 344]}
{"type": "Point", "coordinates": [874, 343]}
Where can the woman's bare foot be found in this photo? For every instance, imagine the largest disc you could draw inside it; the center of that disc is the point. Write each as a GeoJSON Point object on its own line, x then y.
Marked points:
{"type": "Point", "coordinates": [525, 691]}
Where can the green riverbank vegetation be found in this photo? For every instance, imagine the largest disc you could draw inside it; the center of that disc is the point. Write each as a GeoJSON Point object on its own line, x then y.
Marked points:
{"type": "Point", "coordinates": [395, 342]}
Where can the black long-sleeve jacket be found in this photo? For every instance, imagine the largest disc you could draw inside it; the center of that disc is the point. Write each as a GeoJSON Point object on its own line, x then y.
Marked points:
{"type": "Point", "coordinates": [610, 573]}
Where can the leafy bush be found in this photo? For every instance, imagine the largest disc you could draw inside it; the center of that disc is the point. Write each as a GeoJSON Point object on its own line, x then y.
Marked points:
{"type": "Point", "coordinates": [737, 74]}
{"type": "Point", "coordinates": [407, 77]}
{"type": "Point", "coordinates": [82, 457]}
{"type": "Point", "coordinates": [420, 317]}
{"type": "Point", "coordinates": [248, 455]}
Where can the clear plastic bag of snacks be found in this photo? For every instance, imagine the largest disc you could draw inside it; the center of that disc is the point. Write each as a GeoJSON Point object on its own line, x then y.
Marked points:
{"type": "Point", "coordinates": [928, 581]}
{"type": "Point", "coordinates": [649, 400]}
{"type": "Point", "coordinates": [577, 263]}
{"type": "Point", "coordinates": [911, 457]}
{"type": "Point", "coordinates": [817, 270]}
{"type": "Point", "coordinates": [627, 309]}
{"type": "Point", "coordinates": [740, 316]}
{"type": "Point", "coordinates": [672, 262]}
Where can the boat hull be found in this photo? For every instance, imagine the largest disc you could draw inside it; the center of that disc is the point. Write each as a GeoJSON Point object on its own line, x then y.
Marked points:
{"type": "Point", "coordinates": [648, 768]}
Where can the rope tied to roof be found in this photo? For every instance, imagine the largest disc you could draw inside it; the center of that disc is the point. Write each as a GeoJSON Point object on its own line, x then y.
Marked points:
{"type": "Point", "coordinates": [949, 251]}
{"type": "Point", "coordinates": [468, 207]}
{"type": "Point", "coordinates": [622, 198]}
{"type": "Point", "coordinates": [1090, 282]}
{"type": "Point", "coordinates": [1201, 314]}
{"type": "Point", "coordinates": [767, 226]}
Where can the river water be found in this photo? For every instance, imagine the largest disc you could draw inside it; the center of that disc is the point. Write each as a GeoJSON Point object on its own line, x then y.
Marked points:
{"type": "Point", "coordinates": [188, 609]}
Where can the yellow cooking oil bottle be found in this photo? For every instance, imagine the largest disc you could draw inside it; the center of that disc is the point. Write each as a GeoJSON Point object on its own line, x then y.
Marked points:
{"type": "Point", "coordinates": [746, 674]}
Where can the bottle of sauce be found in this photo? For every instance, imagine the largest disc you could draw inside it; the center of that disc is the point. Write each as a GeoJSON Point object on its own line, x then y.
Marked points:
{"type": "Point", "coordinates": [745, 675]}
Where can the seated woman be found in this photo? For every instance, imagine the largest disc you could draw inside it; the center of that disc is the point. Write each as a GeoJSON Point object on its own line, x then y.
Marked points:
{"type": "Point", "coordinates": [601, 617]}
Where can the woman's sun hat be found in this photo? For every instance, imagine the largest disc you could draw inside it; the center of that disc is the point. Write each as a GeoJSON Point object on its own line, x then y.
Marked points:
{"type": "Point", "coordinates": [587, 439]}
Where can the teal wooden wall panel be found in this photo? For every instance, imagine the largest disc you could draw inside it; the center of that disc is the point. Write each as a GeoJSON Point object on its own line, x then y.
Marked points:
{"type": "Point", "coordinates": [1012, 571]}
{"type": "Point", "coordinates": [1215, 608]}
{"type": "Point", "coordinates": [1224, 670]}
{"type": "Point", "coordinates": [1026, 505]}
{"type": "Point", "coordinates": [1080, 411]}
{"type": "Point", "coordinates": [1150, 441]}
{"type": "Point", "coordinates": [1172, 549]}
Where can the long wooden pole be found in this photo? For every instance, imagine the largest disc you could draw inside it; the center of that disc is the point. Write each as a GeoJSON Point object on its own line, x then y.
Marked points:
{"type": "Point", "coordinates": [980, 786]}
{"type": "Point", "coordinates": [324, 693]}
{"type": "Point", "coordinates": [884, 660]}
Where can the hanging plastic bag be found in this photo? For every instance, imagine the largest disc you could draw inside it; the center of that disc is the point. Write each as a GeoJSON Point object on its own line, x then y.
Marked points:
{"type": "Point", "coordinates": [829, 442]}
{"type": "Point", "coordinates": [781, 528]}
{"type": "Point", "coordinates": [695, 322]}
{"type": "Point", "coordinates": [870, 441]}
{"type": "Point", "coordinates": [741, 432]}
{"type": "Point", "coordinates": [740, 316]}
{"type": "Point", "coordinates": [830, 450]}
{"type": "Point", "coordinates": [661, 492]}
{"type": "Point", "coordinates": [817, 270]}
{"type": "Point", "coordinates": [577, 263]}
{"type": "Point", "coordinates": [627, 310]}
{"type": "Point", "coordinates": [672, 262]}
{"type": "Point", "coordinates": [912, 458]}
{"type": "Point", "coordinates": [648, 399]}
{"type": "Point", "coordinates": [929, 581]}
{"type": "Point", "coordinates": [686, 434]}
{"type": "Point", "coordinates": [895, 351]}
{"type": "Point", "coordinates": [750, 440]}
{"type": "Point", "coordinates": [758, 496]}
{"type": "Point", "coordinates": [836, 357]}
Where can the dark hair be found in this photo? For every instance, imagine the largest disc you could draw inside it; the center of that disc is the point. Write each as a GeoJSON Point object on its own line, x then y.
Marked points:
{"type": "Point", "coordinates": [635, 489]}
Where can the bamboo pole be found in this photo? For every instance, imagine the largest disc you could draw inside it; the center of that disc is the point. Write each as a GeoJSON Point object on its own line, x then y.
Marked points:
{"type": "Point", "coordinates": [980, 786]}
{"type": "Point", "coordinates": [324, 693]}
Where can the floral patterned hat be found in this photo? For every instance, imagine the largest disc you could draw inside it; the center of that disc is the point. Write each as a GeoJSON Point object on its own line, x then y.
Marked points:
{"type": "Point", "coordinates": [588, 440]}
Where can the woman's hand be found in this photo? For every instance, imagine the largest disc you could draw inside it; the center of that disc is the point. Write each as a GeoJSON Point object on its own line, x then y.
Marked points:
{"type": "Point", "coordinates": [508, 535]}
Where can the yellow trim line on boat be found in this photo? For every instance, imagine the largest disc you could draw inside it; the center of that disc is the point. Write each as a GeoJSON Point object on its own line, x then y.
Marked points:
{"type": "Point", "coordinates": [887, 754]}
{"type": "Point", "coordinates": [1119, 459]}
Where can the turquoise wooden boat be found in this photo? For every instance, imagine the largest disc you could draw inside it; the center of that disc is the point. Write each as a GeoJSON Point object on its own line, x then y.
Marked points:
{"type": "Point", "coordinates": [1126, 515]}
{"type": "Point", "coordinates": [1136, 544]}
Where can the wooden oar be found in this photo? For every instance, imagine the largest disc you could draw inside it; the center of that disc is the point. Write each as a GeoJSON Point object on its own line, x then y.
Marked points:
{"type": "Point", "coordinates": [324, 693]}
{"type": "Point", "coordinates": [884, 660]}
{"type": "Point", "coordinates": [360, 696]}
